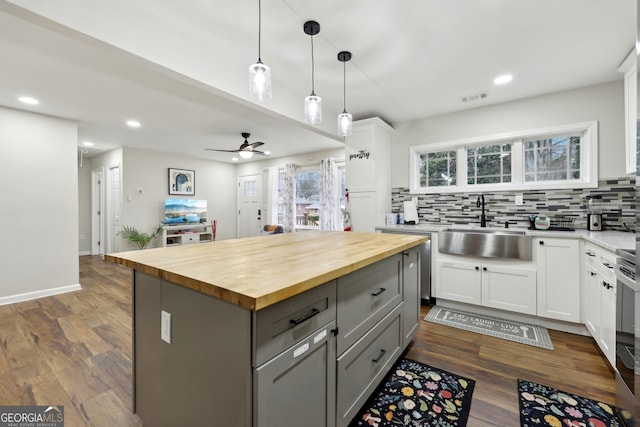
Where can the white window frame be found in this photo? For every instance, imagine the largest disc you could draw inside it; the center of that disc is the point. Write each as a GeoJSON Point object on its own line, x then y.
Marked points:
{"type": "Point", "coordinates": [588, 160]}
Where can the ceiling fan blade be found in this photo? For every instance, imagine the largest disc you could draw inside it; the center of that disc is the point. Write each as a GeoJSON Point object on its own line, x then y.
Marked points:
{"type": "Point", "coordinates": [259, 152]}
{"type": "Point", "coordinates": [256, 144]}
{"type": "Point", "coordinates": [224, 151]}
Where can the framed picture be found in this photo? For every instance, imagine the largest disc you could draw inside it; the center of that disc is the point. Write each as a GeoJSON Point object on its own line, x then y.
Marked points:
{"type": "Point", "coordinates": [182, 181]}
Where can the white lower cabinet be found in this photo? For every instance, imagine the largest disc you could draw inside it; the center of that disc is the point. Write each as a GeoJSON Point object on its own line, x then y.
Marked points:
{"type": "Point", "coordinates": [600, 316]}
{"type": "Point", "coordinates": [558, 278]}
{"type": "Point", "coordinates": [503, 287]}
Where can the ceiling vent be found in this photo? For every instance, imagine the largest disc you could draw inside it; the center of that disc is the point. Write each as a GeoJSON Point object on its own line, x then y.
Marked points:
{"type": "Point", "coordinates": [475, 97]}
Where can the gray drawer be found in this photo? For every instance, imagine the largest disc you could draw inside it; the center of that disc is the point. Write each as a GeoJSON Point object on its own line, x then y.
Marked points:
{"type": "Point", "coordinates": [281, 325]}
{"type": "Point", "coordinates": [366, 296]}
{"type": "Point", "coordinates": [361, 369]}
{"type": "Point", "coordinates": [298, 387]}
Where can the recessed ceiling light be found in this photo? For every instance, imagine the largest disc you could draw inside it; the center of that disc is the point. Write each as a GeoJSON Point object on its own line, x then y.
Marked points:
{"type": "Point", "coordinates": [235, 159]}
{"type": "Point", "coordinates": [87, 144]}
{"type": "Point", "coordinates": [505, 78]}
{"type": "Point", "coordinates": [133, 123]}
{"type": "Point", "coordinates": [28, 100]}
{"type": "Point", "coordinates": [267, 153]}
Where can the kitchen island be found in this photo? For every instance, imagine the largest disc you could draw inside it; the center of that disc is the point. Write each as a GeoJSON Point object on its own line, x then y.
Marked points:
{"type": "Point", "coordinates": [289, 329]}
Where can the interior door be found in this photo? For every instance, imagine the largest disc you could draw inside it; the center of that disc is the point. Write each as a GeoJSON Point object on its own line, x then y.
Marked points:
{"type": "Point", "coordinates": [97, 208]}
{"type": "Point", "coordinates": [114, 208]}
{"type": "Point", "coordinates": [250, 205]}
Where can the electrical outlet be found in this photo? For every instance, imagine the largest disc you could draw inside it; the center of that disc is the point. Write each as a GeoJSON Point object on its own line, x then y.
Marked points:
{"type": "Point", "coordinates": [165, 327]}
{"type": "Point", "coordinates": [519, 200]}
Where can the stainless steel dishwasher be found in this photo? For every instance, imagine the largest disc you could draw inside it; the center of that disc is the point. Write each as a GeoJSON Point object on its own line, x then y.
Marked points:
{"type": "Point", "coordinates": [425, 262]}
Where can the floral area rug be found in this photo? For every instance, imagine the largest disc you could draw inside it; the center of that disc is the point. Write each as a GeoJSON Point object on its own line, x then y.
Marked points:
{"type": "Point", "coordinates": [545, 406]}
{"type": "Point", "coordinates": [415, 394]}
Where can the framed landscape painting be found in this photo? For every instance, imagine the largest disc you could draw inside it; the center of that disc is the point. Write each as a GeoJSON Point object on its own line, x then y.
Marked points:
{"type": "Point", "coordinates": [182, 182]}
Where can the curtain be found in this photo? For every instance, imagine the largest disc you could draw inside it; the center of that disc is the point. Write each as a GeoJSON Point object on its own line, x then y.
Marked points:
{"type": "Point", "coordinates": [329, 196]}
{"type": "Point", "coordinates": [272, 196]}
{"type": "Point", "coordinates": [289, 198]}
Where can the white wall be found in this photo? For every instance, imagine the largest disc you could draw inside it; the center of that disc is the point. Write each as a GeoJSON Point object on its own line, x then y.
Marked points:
{"type": "Point", "coordinates": [39, 214]}
{"type": "Point", "coordinates": [604, 103]}
{"type": "Point", "coordinates": [84, 209]}
{"type": "Point", "coordinates": [148, 170]}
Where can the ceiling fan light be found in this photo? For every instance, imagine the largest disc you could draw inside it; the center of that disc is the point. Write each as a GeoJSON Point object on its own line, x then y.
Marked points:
{"type": "Point", "coordinates": [259, 82]}
{"type": "Point", "coordinates": [345, 124]}
{"type": "Point", "coordinates": [246, 154]}
{"type": "Point", "coordinates": [313, 109]}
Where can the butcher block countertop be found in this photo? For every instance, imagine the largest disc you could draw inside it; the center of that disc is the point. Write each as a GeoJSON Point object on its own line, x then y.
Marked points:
{"type": "Point", "coordinates": [257, 272]}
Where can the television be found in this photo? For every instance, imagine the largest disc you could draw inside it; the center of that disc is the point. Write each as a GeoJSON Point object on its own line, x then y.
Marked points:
{"type": "Point", "coordinates": [185, 211]}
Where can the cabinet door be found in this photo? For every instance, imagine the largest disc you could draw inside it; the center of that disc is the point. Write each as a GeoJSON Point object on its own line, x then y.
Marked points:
{"type": "Point", "coordinates": [459, 282]}
{"type": "Point", "coordinates": [558, 279]}
{"type": "Point", "coordinates": [594, 303]}
{"type": "Point", "coordinates": [510, 289]}
{"type": "Point", "coordinates": [297, 387]}
{"type": "Point", "coordinates": [608, 332]}
{"type": "Point", "coordinates": [411, 294]}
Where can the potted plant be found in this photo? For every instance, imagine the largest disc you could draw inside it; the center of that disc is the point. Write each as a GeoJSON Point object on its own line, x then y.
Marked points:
{"type": "Point", "coordinates": [134, 237]}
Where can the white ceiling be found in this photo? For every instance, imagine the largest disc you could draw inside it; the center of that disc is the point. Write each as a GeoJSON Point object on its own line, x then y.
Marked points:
{"type": "Point", "coordinates": [181, 67]}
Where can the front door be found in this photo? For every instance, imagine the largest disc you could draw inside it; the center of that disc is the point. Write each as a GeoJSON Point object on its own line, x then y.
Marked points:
{"type": "Point", "coordinates": [249, 205]}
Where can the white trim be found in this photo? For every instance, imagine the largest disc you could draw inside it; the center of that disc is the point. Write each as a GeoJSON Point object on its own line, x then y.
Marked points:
{"type": "Point", "coordinates": [588, 169]}
{"type": "Point", "coordinates": [85, 253]}
{"type": "Point", "coordinates": [39, 294]}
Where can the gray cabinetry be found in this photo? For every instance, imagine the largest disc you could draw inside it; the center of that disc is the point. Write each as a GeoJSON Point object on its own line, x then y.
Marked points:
{"type": "Point", "coordinates": [312, 359]}
{"type": "Point", "coordinates": [179, 383]}
{"type": "Point", "coordinates": [362, 367]}
{"type": "Point", "coordinates": [297, 387]}
{"type": "Point", "coordinates": [411, 293]}
{"type": "Point", "coordinates": [365, 297]}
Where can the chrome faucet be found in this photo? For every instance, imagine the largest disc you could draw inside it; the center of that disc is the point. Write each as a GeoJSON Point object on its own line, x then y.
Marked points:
{"type": "Point", "coordinates": [483, 218]}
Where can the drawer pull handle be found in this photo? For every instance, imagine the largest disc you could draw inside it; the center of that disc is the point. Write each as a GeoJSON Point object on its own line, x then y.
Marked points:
{"type": "Point", "coordinates": [295, 322]}
{"type": "Point", "coordinates": [380, 356]}
{"type": "Point", "coordinates": [606, 264]}
{"type": "Point", "coordinates": [375, 294]}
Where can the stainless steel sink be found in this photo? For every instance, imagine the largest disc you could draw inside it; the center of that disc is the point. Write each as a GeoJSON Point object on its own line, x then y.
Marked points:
{"type": "Point", "coordinates": [486, 243]}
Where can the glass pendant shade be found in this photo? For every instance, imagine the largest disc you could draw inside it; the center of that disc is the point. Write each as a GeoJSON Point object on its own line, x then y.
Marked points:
{"type": "Point", "coordinates": [345, 124]}
{"type": "Point", "coordinates": [246, 154]}
{"type": "Point", "coordinates": [313, 109]}
{"type": "Point", "coordinates": [259, 82]}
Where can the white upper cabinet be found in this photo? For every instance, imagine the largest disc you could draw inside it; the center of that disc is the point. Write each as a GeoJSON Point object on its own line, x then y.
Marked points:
{"type": "Point", "coordinates": [630, 69]}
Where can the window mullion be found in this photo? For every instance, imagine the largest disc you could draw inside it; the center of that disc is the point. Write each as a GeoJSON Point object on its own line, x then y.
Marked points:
{"type": "Point", "coordinates": [461, 167]}
{"type": "Point", "coordinates": [517, 162]}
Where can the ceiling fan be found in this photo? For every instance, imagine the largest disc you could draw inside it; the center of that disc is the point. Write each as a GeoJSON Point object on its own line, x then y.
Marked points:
{"type": "Point", "coordinates": [246, 150]}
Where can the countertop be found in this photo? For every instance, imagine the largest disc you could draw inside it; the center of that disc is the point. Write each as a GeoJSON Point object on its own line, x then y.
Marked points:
{"type": "Point", "coordinates": [256, 272]}
{"type": "Point", "coordinates": [610, 240]}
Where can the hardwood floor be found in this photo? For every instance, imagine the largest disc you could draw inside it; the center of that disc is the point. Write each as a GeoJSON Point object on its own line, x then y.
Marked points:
{"type": "Point", "coordinates": [575, 366]}
{"type": "Point", "coordinates": [75, 350]}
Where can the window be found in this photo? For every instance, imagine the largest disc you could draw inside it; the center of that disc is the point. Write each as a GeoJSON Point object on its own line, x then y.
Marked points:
{"type": "Point", "coordinates": [438, 169]}
{"type": "Point", "coordinates": [308, 195]}
{"type": "Point", "coordinates": [558, 157]}
{"type": "Point", "coordinates": [489, 164]}
{"type": "Point", "coordinates": [552, 159]}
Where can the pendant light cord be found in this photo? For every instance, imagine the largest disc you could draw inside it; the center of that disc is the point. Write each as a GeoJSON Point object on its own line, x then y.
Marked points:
{"type": "Point", "coordinates": [344, 87]}
{"type": "Point", "coordinates": [259, 28]}
{"type": "Point", "coordinates": [313, 90]}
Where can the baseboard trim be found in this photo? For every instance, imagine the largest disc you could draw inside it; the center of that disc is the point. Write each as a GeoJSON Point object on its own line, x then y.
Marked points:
{"type": "Point", "coordinates": [12, 299]}
{"type": "Point", "coordinates": [85, 253]}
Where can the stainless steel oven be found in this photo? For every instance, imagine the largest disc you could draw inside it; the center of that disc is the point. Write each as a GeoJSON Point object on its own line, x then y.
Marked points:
{"type": "Point", "coordinates": [627, 303]}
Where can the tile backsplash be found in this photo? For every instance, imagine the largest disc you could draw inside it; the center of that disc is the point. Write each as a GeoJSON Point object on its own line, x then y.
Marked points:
{"type": "Point", "coordinates": [618, 205]}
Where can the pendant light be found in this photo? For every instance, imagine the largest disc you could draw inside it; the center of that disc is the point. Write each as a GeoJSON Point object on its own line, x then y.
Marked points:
{"type": "Point", "coordinates": [259, 73]}
{"type": "Point", "coordinates": [345, 120]}
{"type": "Point", "coordinates": [312, 103]}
